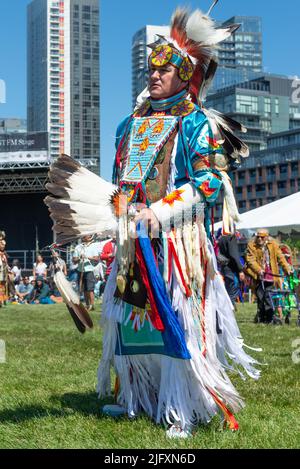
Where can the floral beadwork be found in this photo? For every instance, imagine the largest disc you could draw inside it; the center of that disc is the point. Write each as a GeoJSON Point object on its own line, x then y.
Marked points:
{"type": "Point", "coordinates": [186, 70]}
{"type": "Point", "coordinates": [175, 196]}
{"type": "Point", "coordinates": [206, 189]}
{"type": "Point", "coordinates": [144, 145]}
{"type": "Point", "coordinates": [214, 145]}
{"type": "Point", "coordinates": [159, 127]}
{"type": "Point", "coordinates": [161, 55]}
{"type": "Point", "coordinates": [184, 108]}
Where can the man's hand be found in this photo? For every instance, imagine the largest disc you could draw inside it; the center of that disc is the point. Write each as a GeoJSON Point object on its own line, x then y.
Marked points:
{"type": "Point", "coordinates": [147, 216]}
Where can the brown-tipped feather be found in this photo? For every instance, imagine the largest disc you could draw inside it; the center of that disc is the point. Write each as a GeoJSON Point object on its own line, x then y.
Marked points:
{"type": "Point", "coordinates": [80, 326]}
{"type": "Point", "coordinates": [83, 315]}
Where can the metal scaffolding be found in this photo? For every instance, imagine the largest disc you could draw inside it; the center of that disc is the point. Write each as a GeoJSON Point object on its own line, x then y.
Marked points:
{"type": "Point", "coordinates": [23, 183]}
{"type": "Point", "coordinates": [30, 177]}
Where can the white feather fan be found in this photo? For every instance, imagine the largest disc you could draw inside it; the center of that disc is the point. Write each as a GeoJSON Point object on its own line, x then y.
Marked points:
{"type": "Point", "coordinates": [81, 201]}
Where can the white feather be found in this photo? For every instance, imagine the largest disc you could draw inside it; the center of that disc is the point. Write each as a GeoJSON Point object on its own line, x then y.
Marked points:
{"type": "Point", "coordinates": [200, 28]}
{"type": "Point", "coordinates": [229, 196]}
{"type": "Point", "coordinates": [65, 288]}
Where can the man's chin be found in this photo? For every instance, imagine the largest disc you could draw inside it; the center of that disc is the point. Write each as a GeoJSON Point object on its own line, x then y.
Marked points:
{"type": "Point", "coordinates": [156, 93]}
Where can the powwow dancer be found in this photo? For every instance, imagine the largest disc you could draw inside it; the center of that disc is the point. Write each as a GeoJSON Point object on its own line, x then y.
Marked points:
{"type": "Point", "coordinates": [168, 322]}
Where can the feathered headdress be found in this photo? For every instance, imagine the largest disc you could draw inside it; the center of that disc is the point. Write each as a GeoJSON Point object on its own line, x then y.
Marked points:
{"type": "Point", "coordinates": [191, 48]}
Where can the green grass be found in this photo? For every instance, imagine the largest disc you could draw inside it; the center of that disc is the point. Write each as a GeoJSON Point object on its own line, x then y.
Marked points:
{"type": "Point", "coordinates": [48, 399]}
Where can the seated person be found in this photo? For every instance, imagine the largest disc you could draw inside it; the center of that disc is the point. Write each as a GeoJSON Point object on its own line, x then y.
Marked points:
{"type": "Point", "coordinates": [24, 290]}
{"type": "Point", "coordinates": [41, 292]}
{"type": "Point", "coordinates": [54, 292]}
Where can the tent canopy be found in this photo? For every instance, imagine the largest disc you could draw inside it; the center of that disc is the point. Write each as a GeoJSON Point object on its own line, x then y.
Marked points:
{"type": "Point", "coordinates": [283, 216]}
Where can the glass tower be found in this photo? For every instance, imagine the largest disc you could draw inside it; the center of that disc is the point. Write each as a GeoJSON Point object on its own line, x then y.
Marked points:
{"type": "Point", "coordinates": [63, 76]}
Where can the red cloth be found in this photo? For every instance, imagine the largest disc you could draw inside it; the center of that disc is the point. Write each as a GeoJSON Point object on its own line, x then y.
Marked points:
{"type": "Point", "coordinates": [108, 254]}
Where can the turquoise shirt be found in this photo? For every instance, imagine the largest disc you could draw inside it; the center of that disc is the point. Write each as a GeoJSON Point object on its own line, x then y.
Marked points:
{"type": "Point", "coordinates": [195, 147]}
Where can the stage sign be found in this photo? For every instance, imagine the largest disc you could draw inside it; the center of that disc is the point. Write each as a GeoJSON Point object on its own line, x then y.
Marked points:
{"type": "Point", "coordinates": [25, 157]}
{"type": "Point", "coordinates": [14, 142]}
{"type": "Point", "coordinates": [24, 147]}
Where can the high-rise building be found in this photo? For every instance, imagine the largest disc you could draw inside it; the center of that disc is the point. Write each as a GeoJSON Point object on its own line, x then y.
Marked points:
{"type": "Point", "coordinates": [264, 106]}
{"type": "Point", "coordinates": [140, 54]}
{"type": "Point", "coordinates": [63, 76]}
{"type": "Point", "coordinates": [239, 56]}
{"type": "Point", "coordinates": [243, 49]}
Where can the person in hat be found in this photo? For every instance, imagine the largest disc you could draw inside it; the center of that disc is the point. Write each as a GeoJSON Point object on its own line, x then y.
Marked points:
{"type": "Point", "coordinates": [263, 259]}
{"type": "Point", "coordinates": [41, 292]}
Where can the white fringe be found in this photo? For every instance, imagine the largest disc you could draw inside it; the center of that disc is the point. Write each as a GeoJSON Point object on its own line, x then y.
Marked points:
{"type": "Point", "coordinates": [170, 389]}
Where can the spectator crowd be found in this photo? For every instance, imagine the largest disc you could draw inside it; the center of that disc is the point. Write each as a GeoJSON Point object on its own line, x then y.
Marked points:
{"type": "Point", "coordinates": [87, 270]}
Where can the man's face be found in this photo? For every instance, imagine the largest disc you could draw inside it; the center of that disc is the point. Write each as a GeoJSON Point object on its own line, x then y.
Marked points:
{"type": "Point", "coordinates": [164, 81]}
{"type": "Point", "coordinates": [87, 239]}
{"type": "Point", "coordinates": [26, 280]}
{"type": "Point", "coordinates": [262, 238]}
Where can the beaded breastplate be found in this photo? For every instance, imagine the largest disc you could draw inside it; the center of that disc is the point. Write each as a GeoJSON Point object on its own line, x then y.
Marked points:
{"type": "Point", "coordinates": [147, 137]}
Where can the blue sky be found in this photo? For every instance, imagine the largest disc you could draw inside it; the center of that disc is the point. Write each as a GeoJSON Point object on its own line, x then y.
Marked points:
{"type": "Point", "coordinates": [119, 20]}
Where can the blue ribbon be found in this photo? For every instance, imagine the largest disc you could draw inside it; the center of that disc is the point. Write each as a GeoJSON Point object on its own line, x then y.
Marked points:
{"type": "Point", "coordinates": [173, 335]}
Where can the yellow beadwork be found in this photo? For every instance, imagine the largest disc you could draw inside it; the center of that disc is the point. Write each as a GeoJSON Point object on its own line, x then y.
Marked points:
{"type": "Point", "coordinates": [184, 108]}
{"type": "Point", "coordinates": [161, 55]}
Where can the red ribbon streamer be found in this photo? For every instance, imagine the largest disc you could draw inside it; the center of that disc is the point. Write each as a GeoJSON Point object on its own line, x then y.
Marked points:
{"type": "Point", "coordinates": [188, 292]}
{"type": "Point", "coordinates": [155, 317]}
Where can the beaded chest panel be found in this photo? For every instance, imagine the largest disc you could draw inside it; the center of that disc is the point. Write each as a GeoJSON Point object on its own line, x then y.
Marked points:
{"type": "Point", "coordinates": [147, 136]}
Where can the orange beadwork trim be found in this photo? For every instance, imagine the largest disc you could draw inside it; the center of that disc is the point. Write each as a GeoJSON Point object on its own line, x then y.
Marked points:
{"type": "Point", "coordinates": [207, 191]}
{"type": "Point", "coordinates": [173, 197]}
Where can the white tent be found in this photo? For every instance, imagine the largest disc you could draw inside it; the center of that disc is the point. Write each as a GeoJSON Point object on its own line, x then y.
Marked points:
{"type": "Point", "coordinates": [282, 216]}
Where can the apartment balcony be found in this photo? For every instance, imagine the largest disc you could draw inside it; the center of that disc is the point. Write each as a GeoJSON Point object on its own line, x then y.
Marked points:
{"type": "Point", "coordinates": [260, 194]}
{"type": "Point", "coordinates": [270, 177]}
{"type": "Point", "coordinates": [282, 192]}
{"type": "Point", "coordinates": [252, 180]}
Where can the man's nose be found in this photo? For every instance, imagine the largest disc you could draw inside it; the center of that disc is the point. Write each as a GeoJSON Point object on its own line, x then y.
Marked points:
{"type": "Point", "coordinates": [154, 75]}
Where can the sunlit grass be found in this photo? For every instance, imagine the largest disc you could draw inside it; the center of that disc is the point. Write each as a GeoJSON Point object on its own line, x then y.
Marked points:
{"type": "Point", "coordinates": [48, 399]}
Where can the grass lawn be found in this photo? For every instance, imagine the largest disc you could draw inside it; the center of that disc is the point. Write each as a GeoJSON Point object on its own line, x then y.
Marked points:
{"type": "Point", "coordinates": [48, 399]}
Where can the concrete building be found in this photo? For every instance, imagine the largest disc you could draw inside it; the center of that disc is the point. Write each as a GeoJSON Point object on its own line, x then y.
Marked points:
{"type": "Point", "coordinates": [240, 56]}
{"type": "Point", "coordinates": [270, 174]}
{"type": "Point", "coordinates": [243, 49]}
{"type": "Point", "coordinates": [63, 76]}
{"type": "Point", "coordinates": [140, 53]}
{"type": "Point", "coordinates": [264, 105]}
